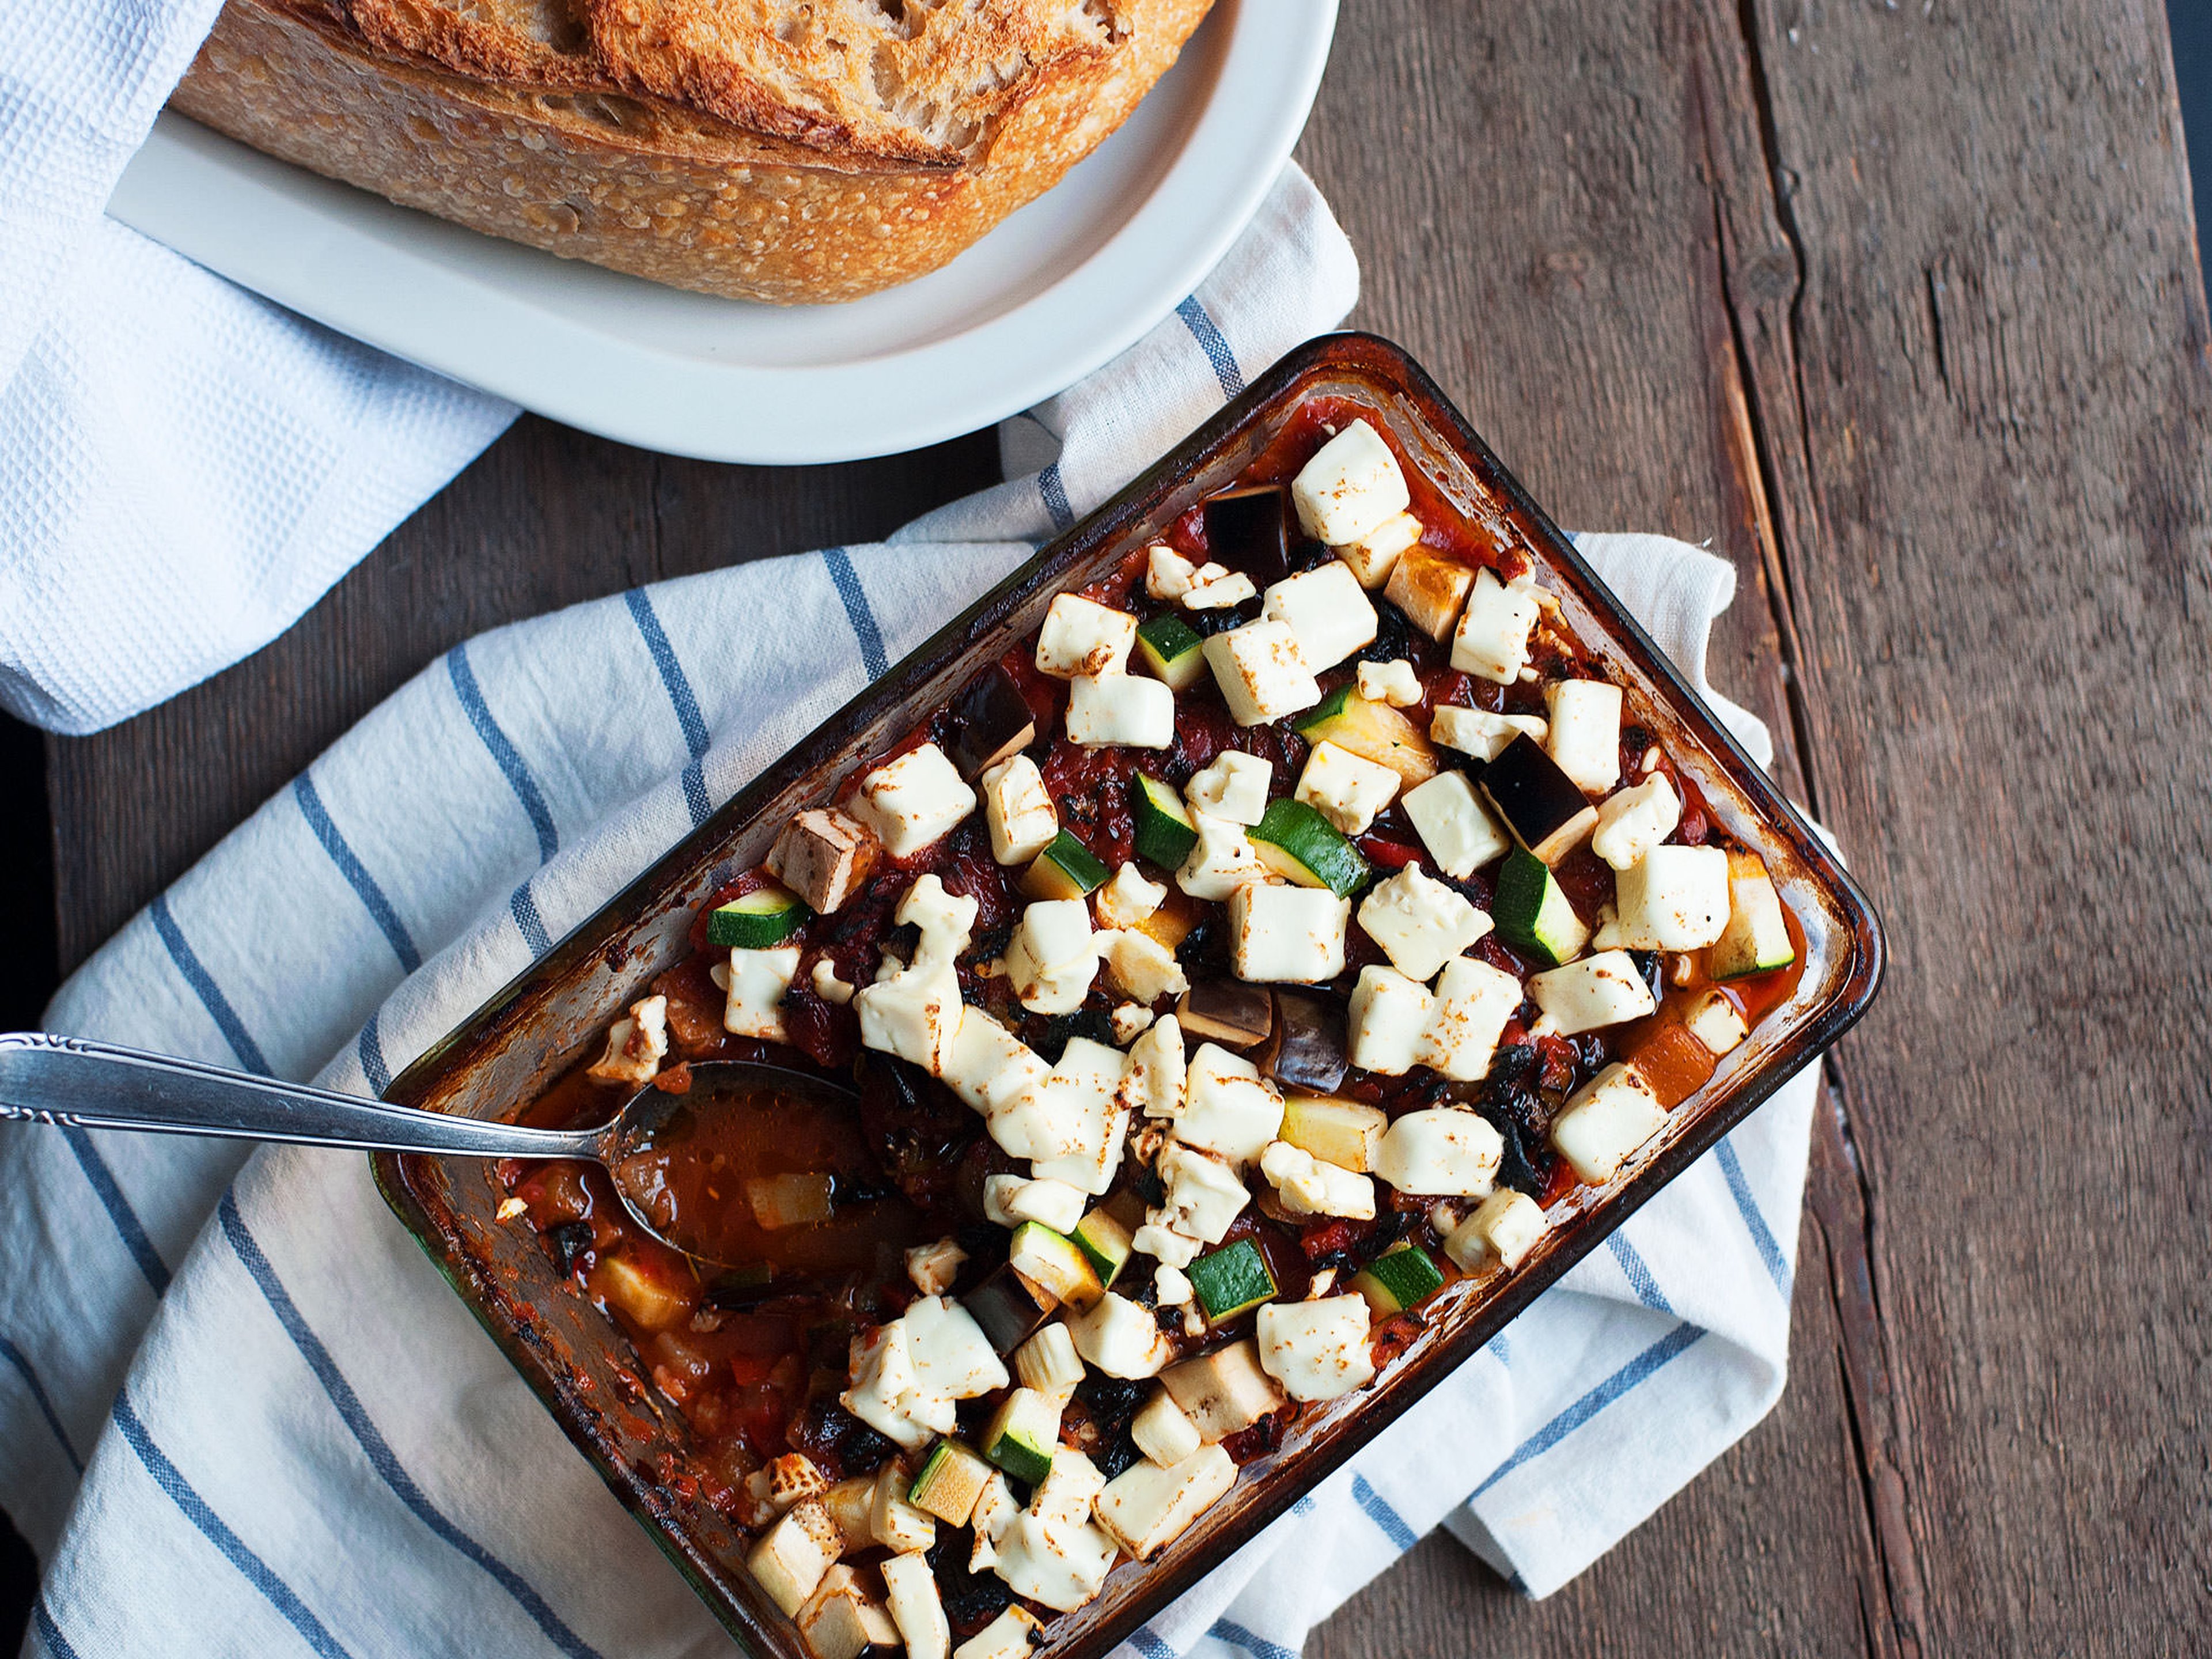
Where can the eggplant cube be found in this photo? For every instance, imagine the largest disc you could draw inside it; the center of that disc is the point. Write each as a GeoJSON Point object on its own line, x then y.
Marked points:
{"type": "Point", "coordinates": [990, 720]}
{"type": "Point", "coordinates": [1544, 808]}
{"type": "Point", "coordinates": [1247, 530]}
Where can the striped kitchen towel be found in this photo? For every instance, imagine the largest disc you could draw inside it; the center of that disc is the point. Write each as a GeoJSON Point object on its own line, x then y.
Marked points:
{"type": "Point", "coordinates": [240, 1412]}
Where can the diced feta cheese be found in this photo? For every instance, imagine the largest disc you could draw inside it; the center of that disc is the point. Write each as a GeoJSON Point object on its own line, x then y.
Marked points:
{"type": "Point", "coordinates": [1007, 1637]}
{"type": "Point", "coordinates": [1673, 898]}
{"type": "Point", "coordinates": [1599, 990]}
{"type": "Point", "coordinates": [792, 1477]}
{"type": "Point", "coordinates": [1129, 1022]}
{"type": "Point", "coordinates": [945, 921]}
{"type": "Point", "coordinates": [1091, 1167]}
{"type": "Point", "coordinates": [1203, 1196]}
{"type": "Point", "coordinates": [1019, 811]}
{"type": "Point", "coordinates": [1351, 484]}
{"type": "Point", "coordinates": [1429, 587]}
{"type": "Point", "coordinates": [1441, 1152]}
{"type": "Point", "coordinates": [995, 1509]}
{"type": "Point", "coordinates": [1327, 611]}
{"type": "Point", "coordinates": [914, 800]}
{"type": "Point", "coordinates": [1716, 1022]}
{"type": "Point", "coordinates": [1460, 831]}
{"type": "Point", "coordinates": [1082, 637]}
{"type": "Point", "coordinates": [1393, 682]}
{"type": "Point", "coordinates": [1286, 935]}
{"type": "Point", "coordinates": [1051, 959]}
{"type": "Point", "coordinates": [916, 1014]}
{"type": "Point", "coordinates": [1420, 923]}
{"type": "Point", "coordinates": [1585, 739]}
{"type": "Point", "coordinates": [1147, 1507]}
{"type": "Point", "coordinates": [1221, 861]}
{"type": "Point", "coordinates": [1145, 969]}
{"type": "Point", "coordinates": [794, 1555]}
{"type": "Point", "coordinates": [1473, 1000]}
{"type": "Point", "coordinates": [917, 1608]}
{"type": "Point", "coordinates": [1128, 898]}
{"type": "Point", "coordinates": [1217, 587]}
{"type": "Point", "coordinates": [1158, 1075]}
{"type": "Point", "coordinates": [841, 1619]}
{"type": "Point", "coordinates": [1171, 1248]}
{"type": "Point", "coordinates": [637, 1042]}
{"type": "Point", "coordinates": [1478, 732]}
{"type": "Point", "coordinates": [1171, 1288]}
{"type": "Point", "coordinates": [1225, 1392]}
{"type": "Point", "coordinates": [1316, 1349]}
{"type": "Point", "coordinates": [1067, 1114]}
{"type": "Point", "coordinates": [1168, 574]}
{"type": "Point", "coordinates": [827, 985]}
{"type": "Point", "coordinates": [1059, 1565]}
{"type": "Point", "coordinates": [989, 1067]}
{"type": "Point", "coordinates": [1260, 673]}
{"type": "Point", "coordinates": [887, 1396]}
{"type": "Point", "coordinates": [1390, 1012]}
{"type": "Point", "coordinates": [823, 857]}
{"type": "Point", "coordinates": [1506, 1225]}
{"type": "Point", "coordinates": [951, 1356]}
{"type": "Point", "coordinates": [1493, 639]}
{"type": "Point", "coordinates": [1633, 821]}
{"type": "Point", "coordinates": [1612, 1114]}
{"type": "Point", "coordinates": [1307, 1186]}
{"type": "Point", "coordinates": [1234, 787]}
{"type": "Point", "coordinates": [1162, 1430]}
{"type": "Point", "coordinates": [1055, 1203]}
{"type": "Point", "coordinates": [1230, 1114]}
{"type": "Point", "coordinates": [1344, 789]}
{"type": "Point", "coordinates": [932, 1268]}
{"type": "Point", "coordinates": [1124, 709]}
{"type": "Point", "coordinates": [1374, 555]}
{"type": "Point", "coordinates": [997, 1189]}
{"type": "Point", "coordinates": [756, 982]}
{"type": "Point", "coordinates": [893, 1522]}
{"type": "Point", "coordinates": [1121, 1338]}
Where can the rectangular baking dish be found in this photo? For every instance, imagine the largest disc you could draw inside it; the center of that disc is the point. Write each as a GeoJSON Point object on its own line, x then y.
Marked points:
{"type": "Point", "coordinates": [531, 1032]}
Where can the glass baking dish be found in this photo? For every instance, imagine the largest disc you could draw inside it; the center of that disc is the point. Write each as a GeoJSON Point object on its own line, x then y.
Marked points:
{"type": "Point", "coordinates": [534, 1029]}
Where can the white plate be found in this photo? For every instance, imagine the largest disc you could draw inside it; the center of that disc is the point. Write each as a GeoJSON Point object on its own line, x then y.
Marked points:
{"type": "Point", "coordinates": [1054, 291]}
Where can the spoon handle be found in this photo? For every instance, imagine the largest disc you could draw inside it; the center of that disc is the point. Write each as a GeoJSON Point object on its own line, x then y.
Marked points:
{"type": "Point", "coordinates": [71, 1082]}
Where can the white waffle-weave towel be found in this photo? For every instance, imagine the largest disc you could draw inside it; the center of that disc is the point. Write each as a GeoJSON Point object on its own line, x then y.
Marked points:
{"type": "Point", "coordinates": [184, 467]}
{"type": "Point", "coordinates": [240, 1414]}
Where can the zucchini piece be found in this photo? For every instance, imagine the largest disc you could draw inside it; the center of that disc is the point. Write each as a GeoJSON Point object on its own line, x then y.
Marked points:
{"type": "Point", "coordinates": [1294, 841]}
{"type": "Point", "coordinates": [1022, 1434]}
{"type": "Point", "coordinates": [1343, 1133]}
{"type": "Point", "coordinates": [1757, 938]}
{"type": "Point", "coordinates": [1053, 1262]}
{"type": "Point", "coordinates": [1373, 730]}
{"type": "Point", "coordinates": [753, 921]}
{"type": "Point", "coordinates": [1104, 1243]}
{"type": "Point", "coordinates": [1400, 1278]}
{"type": "Point", "coordinates": [1230, 1281]}
{"type": "Point", "coordinates": [1532, 913]}
{"type": "Point", "coordinates": [1065, 870]}
{"type": "Point", "coordinates": [1165, 834]}
{"type": "Point", "coordinates": [950, 1481]}
{"type": "Point", "coordinates": [1171, 649]}
{"type": "Point", "coordinates": [1545, 809]}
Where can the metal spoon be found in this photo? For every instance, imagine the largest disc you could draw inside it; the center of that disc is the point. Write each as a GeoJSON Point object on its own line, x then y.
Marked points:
{"type": "Point", "coordinates": [71, 1082]}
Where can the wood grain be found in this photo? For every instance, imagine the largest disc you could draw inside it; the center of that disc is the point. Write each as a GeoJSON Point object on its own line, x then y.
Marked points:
{"type": "Point", "coordinates": [1898, 304]}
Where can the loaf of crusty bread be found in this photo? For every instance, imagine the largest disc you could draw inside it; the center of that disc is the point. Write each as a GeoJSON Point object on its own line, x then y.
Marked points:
{"type": "Point", "coordinates": [794, 151]}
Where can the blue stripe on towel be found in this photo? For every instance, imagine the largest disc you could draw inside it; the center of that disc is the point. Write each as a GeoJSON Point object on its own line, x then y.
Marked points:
{"type": "Point", "coordinates": [1755, 1224]}
{"type": "Point", "coordinates": [1670, 1346]}
{"type": "Point", "coordinates": [370, 1048]}
{"type": "Point", "coordinates": [256, 1571]}
{"type": "Point", "coordinates": [1147, 1642]}
{"type": "Point", "coordinates": [15, 1357]}
{"type": "Point", "coordinates": [371, 1442]}
{"type": "Point", "coordinates": [1212, 343]}
{"type": "Point", "coordinates": [1258, 1646]}
{"type": "Point", "coordinates": [355, 872]}
{"type": "Point", "coordinates": [1380, 1512]}
{"type": "Point", "coordinates": [679, 696]}
{"type": "Point", "coordinates": [524, 909]}
{"type": "Point", "coordinates": [504, 754]}
{"type": "Point", "coordinates": [204, 988]}
{"type": "Point", "coordinates": [109, 1191]}
{"type": "Point", "coordinates": [49, 1633]}
{"type": "Point", "coordinates": [1054, 496]}
{"type": "Point", "coordinates": [1638, 1272]}
{"type": "Point", "coordinates": [858, 610]}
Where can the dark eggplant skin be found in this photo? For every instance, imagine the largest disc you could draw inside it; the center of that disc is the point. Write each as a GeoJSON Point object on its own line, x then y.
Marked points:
{"type": "Point", "coordinates": [1544, 808]}
{"type": "Point", "coordinates": [1249, 530]}
{"type": "Point", "coordinates": [1007, 1313]}
{"type": "Point", "coordinates": [1310, 1043]}
{"type": "Point", "coordinates": [990, 720]}
{"type": "Point", "coordinates": [1227, 1010]}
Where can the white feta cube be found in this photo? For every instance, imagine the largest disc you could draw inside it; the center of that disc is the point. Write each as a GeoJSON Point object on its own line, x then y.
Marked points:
{"type": "Point", "coordinates": [1171, 1288]}
{"type": "Point", "coordinates": [1390, 1012]}
{"type": "Point", "coordinates": [951, 1356]}
{"type": "Point", "coordinates": [1147, 1507]}
{"type": "Point", "coordinates": [1124, 709]}
{"type": "Point", "coordinates": [1091, 1167]}
{"type": "Point", "coordinates": [1260, 673]}
{"type": "Point", "coordinates": [988, 1066]}
{"type": "Point", "coordinates": [915, 1014]}
{"type": "Point", "coordinates": [1429, 587]}
{"type": "Point", "coordinates": [1203, 1197]}
{"type": "Point", "coordinates": [1420, 923]}
{"type": "Point", "coordinates": [1054, 1204]}
{"type": "Point", "coordinates": [1142, 967]}
{"type": "Point", "coordinates": [1082, 637]}
{"type": "Point", "coordinates": [1345, 788]}
{"type": "Point", "coordinates": [1019, 810]}
{"type": "Point", "coordinates": [1597, 990]}
{"type": "Point", "coordinates": [1158, 1239]}
{"type": "Point", "coordinates": [1473, 1000]}
{"type": "Point", "coordinates": [1233, 787]}
{"type": "Point", "coordinates": [756, 982]}
{"type": "Point", "coordinates": [1455, 825]}
{"type": "Point", "coordinates": [1351, 484]}
{"type": "Point", "coordinates": [1505, 1225]}
{"type": "Point", "coordinates": [1307, 1186]}
{"type": "Point", "coordinates": [1168, 574]}
{"type": "Point", "coordinates": [917, 1608]}
{"type": "Point", "coordinates": [1051, 960]}
{"type": "Point", "coordinates": [638, 1042]}
{"type": "Point", "coordinates": [1493, 637]}
{"type": "Point", "coordinates": [1062, 1566]}
{"type": "Point", "coordinates": [945, 921]}
{"type": "Point", "coordinates": [1393, 682]}
{"type": "Point", "coordinates": [1634, 820]}
{"type": "Point", "coordinates": [1327, 611]}
{"type": "Point", "coordinates": [1232, 1112]}
{"type": "Point", "coordinates": [1221, 861]}
{"type": "Point", "coordinates": [1374, 555]}
{"type": "Point", "coordinates": [914, 800]}
{"type": "Point", "coordinates": [894, 1522]}
{"type": "Point", "coordinates": [1162, 1429]}
{"type": "Point", "coordinates": [1585, 739]}
{"type": "Point", "coordinates": [1478, 732]}
{"type": "Point", "coordinates": [1121, 1338]}
{"type": "Point", "coordinates": [1286, 935]}
{"type": "Point", "coordinates": [1068, 1114]}
{"type": "Point", "coordinates": [1607, 1119]}
{"type": "Point", "coordinates": [1127, 898]}
{"type": "Point", "coordinates": [1717, 1022]}
{"type": "Point", "coordinates": [1441, 1152]}
{"type": "Point", "coordinates": [932, 1268]}
{"type": "Point", "coordinates": [1673, 898]}
{"type": "Point", "coordinates": [794, 1554]}
{"type": "Point", "coordinates": [1007, 1637]}
{"type": "Point", "coordinates": [1158, 1075]}
{"type": "Point", "coordinates": [887, 1396]}
{"type": "Point", "coordinates": [1316, 1349]}
{"type": "Point", "coordinates": [1217, 588]}
{"type": "Point", "coordinates": [827, 984]}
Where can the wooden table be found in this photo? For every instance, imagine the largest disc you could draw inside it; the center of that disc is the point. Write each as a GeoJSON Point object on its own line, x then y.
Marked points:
{"type": "Point", "coordinates": [1898, 304]}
